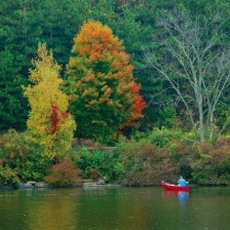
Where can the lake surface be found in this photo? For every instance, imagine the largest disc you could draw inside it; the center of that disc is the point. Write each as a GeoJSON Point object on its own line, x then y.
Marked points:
{"type": "Point", "coordinates": [115, 209]}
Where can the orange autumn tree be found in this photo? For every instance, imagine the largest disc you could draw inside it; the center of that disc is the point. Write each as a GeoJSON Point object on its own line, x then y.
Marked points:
{"type": "Point", "coordinates": [104, 95]}
{"type": "Point", "coordinates": [49, 125]}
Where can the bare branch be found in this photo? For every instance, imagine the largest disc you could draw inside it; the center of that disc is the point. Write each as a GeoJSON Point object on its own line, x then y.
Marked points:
{"type": "Point", "coordinates": [197, 64]}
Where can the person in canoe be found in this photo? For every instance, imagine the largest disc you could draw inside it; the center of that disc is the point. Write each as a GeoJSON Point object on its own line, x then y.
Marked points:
{"type": "Point", "coordinates": [182, 182]}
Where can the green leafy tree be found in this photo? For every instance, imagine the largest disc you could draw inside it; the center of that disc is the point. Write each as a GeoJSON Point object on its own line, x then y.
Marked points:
{"type": "Point", "coordinates": [104, 96]}
{"type": "Point", "coordinates": [50, 125]}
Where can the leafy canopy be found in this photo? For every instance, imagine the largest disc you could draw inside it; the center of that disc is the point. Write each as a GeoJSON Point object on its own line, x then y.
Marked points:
{"type": "Point", "coordinates": [103, 93]}
{"type": "Point", "coordinates": [50, 125]}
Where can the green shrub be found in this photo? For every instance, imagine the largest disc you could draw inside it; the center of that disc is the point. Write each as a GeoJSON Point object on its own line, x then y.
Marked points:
{"type": "Point", "coordinates": [96, 163]}
{"type": "Point", "coordinates": [213, 164]}
{"type": "Point", "coordinates": [24, 160]}
{"type": "Point", "coordinates": [183, 153]}
{"type": "Point", "coordinates": [166, 116]}
{"type": "Point", "coordinates": [161, 155]}
{"type": "Point", "coordinates": [143, 163]}
{"type": "Point", "coordinates": [162, 137]}
{"type": "Point", "coordinates": [8, 176]}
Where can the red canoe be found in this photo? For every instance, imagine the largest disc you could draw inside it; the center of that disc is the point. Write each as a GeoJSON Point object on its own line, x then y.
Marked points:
{"type": "Point", "coordinates": [173, 187]}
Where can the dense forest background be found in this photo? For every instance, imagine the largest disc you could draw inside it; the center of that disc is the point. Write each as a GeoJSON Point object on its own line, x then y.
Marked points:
{"type": "Point", "coordinates": [181, 58]}
{"type": "Point", "coordinates": [23, 24]}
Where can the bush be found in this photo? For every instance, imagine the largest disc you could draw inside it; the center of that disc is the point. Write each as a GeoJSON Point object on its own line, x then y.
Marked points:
{"type": "Point", "coordinates": [145, 164]}
{"type": "Point", "coordinates": [213, 164]}
{"type": "Point", "coordinates": [95, 164]}
{"type": "Point", "coordinates": [162, 137]}
{"type": "Point", "coordinates": [64, 174]}
{"type": "Point", "coordinates": [8, 176]}
{"type": "Point", "coordinates": [183, 153]}
{"type": "Point", "coordinates": [21, 160]}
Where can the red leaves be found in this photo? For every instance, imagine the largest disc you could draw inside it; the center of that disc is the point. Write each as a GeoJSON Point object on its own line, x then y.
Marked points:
{"type": "Point", "coordinates": [64, 173]}
{"type": "Point", "coordinates": [138, 105]}
{"type": "Point", "coordinates": [55, 118]}
{"type": "Point", "coordinates": [64, 115]}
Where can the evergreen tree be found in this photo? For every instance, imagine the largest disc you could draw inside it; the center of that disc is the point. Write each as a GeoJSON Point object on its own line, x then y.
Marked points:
{"type": "Point", "coordinates": [12, 104]}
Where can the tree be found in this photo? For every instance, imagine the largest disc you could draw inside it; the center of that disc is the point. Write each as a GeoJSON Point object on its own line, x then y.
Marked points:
{"type": "Point", "coordinates": [12, 103]}
{"type": "Point", "coordinates": [138, 18]}
{"type": "Point", "coordinates": [20, 31]}
{"type": "Point", "coordinates": [50, 125]}
{"type": "Point", "coordinates": [196, 64]}
{"type": "Point", "coordinates": [104, 95]}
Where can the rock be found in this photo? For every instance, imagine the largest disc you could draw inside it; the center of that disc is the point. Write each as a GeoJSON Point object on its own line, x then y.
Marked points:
{"type": "Point", "coordinates": [101, 181]}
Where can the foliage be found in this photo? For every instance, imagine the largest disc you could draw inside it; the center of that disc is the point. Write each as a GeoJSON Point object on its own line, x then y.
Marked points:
{"type": "Point", "coordinates": [12, 113]}
{"type": "Point", "coordinates": [64, 174]}
{"type": "Point", "coordinates": [23, 23]}
{"type": "Point", "coordinates": [49, 123]}
{"type": "Point", "coordinates": [213, 163]}
{"type": "Point", "coordinates": [180, 146]}
{"type": "Point", "coordinates": [131, 162]}
{"type": "Point", "coordinates": [162, 155]}
{"type": "Point", "coordinates": [183, 153]}
{"type": "Point", "coordinates": [20, 161]}
{"type": "Point", "coordinates": [96, 163]}
{"type": "Point", "coordinates": [166, 117]}
{"type": "Point", "coordinates": [145, 164]}
{"type": "Point", "coordinates": [162, 137]}
{"type": "Point", "coordinates": [26, 22]}
{"type": "Point", "coordinates": [8, 176]}
{"type": "Point", "coordinates": [103, 92]}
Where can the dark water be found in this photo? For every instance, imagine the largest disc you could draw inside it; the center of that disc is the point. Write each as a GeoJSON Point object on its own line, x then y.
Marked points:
{"type": "Point", "coordinates": [115, 209]}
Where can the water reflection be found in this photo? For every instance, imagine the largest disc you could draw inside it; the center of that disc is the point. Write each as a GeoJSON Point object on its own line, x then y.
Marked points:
{"type": "Point", "coordinates": [183, 196]}
{"type": "Point", "coordinates": [110, 209]}
{"type": "Point", "coordinates": [39, 209]}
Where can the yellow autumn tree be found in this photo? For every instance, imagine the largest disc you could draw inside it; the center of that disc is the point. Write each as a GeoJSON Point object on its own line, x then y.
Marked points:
{"type": "Point", "coordinates": [104, 96]}
{"type": "Point", "coordinates": [49, 124]}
